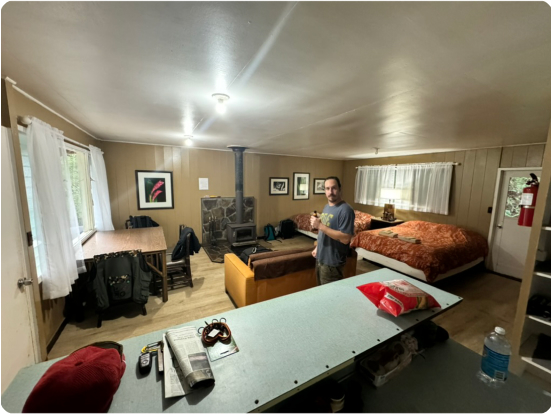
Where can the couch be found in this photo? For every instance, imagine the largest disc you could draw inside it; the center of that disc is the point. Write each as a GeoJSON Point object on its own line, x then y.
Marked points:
{"type": "Point", "coordinates": [273, 274]}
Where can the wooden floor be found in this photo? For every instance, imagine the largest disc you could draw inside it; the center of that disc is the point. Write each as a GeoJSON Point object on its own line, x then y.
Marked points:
{"type": "Point", "coordinates": [489, 300]}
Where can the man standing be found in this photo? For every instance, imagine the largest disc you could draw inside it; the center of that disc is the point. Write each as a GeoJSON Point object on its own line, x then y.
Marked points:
{"type": "Point", "coordinates": [335, 232]}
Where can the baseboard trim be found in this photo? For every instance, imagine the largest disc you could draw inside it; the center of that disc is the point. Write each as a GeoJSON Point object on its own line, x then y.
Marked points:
{"type": "Point", "coordinates": [516, 279]}
{"type": "Point", "coordinates": [56, 336]}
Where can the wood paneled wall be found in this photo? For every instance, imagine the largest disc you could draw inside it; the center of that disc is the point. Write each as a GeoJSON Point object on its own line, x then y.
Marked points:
{"type": "Point", "coordinates": [473, 182]}
{"type": "Point", "coordinates": [472, 187]}
{"type": "Point", "coordinates": [189, 164]}
{"type": "Point", "coordinates": [49, 312]}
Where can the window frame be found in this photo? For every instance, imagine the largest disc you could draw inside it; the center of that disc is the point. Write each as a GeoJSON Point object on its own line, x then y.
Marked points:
{"type": "Point", "coordinates": [83, 237]}
{"type": "Point", "coordinates": [30, 201]}
{"type": "Point", "coordinates": [88, 203]}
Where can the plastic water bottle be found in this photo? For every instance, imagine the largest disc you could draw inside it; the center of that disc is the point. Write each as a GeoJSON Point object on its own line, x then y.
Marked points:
{"type": "Point", "coordinates": [495, 358]}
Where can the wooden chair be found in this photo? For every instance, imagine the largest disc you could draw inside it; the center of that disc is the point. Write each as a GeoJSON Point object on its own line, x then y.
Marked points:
{"type": "Point", "coordinates": [179, 273]}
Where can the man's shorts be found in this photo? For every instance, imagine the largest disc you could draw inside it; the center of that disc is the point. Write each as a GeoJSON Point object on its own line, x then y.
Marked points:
{"type": "Point", "coordinates": [327, 274]}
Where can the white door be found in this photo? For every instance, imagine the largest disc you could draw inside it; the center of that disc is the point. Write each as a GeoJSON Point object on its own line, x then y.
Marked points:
{"type": "Point", "coordinates": [19, 339]}
{"type": "Point", "coordinates": [510, 241]}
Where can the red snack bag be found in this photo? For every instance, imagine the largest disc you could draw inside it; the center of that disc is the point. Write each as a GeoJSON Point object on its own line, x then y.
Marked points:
{"type": "Point", "coordinates": [397, 296]}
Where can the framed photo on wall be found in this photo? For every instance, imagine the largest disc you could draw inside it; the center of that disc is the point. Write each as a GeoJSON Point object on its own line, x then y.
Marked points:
{"type": "Point", "coordinates": [279, 186]}
{"type": "Point", "coordinates": [318, 185]}
{"type": "Point", "coordinates": [154, 189]}
{"type": "Point", "coordinates": [301, 186]}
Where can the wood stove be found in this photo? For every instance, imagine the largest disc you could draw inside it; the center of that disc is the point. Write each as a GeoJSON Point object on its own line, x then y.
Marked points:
{"type": "Point", "coordinates": [241, 234]}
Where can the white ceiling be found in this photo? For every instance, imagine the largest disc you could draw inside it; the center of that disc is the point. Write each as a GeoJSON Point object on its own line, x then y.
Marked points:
{"type": "Point", "coordinates": [319, 79]}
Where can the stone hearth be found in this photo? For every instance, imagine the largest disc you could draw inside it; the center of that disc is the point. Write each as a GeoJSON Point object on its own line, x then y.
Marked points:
{"type": "Point", "coordinates": [223, 209]}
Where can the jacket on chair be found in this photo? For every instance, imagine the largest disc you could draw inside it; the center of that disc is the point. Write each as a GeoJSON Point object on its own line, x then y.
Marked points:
{"type": "Point", "coordinates": [179, 250]}
{"type": "Point", "coordinates": [138, 222]}
{"type": "Point", "coordinates": [121, 276]}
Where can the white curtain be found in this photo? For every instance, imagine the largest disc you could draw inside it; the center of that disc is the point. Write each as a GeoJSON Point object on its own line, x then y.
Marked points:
{"type": "Point", "coordinates": [425, 187]}
{"type": "Point", "coordinates": [59, 248]}
{"type": "Point", "coordinates": [100, 192]}
{"type": "Point", "coordinates": [369, 180]}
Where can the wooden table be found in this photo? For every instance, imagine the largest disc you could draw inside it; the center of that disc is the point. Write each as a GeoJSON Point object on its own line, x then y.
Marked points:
{"type": "Point", "coordinates": [150, 240]}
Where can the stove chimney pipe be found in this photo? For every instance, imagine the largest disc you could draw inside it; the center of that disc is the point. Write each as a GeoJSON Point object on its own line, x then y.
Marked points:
{"type": "Point", "coordinates": [239, 180]}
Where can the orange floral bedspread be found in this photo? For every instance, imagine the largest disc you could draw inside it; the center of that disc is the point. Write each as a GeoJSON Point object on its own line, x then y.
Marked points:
{"type": "Point", "coordinates": [362, 222]}
{"type": "Point", "coordinates": [443, 247]}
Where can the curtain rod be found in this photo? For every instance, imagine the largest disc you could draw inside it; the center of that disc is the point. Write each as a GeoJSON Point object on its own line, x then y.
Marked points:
{"type": "Point", "coordinates": [71, 141]}
{"type": "Point", "coordinates": [24, 123]}
{"type": "Point", "coordinates": [419, 163]}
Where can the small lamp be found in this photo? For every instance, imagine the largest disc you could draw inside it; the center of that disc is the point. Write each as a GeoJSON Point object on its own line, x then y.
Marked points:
{"type": "Point", "coordinates": [389, 209]}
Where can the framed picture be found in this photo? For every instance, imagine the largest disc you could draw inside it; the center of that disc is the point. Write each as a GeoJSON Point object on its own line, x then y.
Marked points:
{"type": "Point", "coordinates": [278, 186]}
{"type": "Point", "coordinates": [301, 186]}
{"type": "Point", "coordinates": [318, 185]}
{"type": "Point", "coordinates": [154, 189]}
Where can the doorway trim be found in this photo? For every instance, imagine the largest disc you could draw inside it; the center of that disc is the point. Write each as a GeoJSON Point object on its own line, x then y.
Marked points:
{"type": "Point", "coordinates": [11, 123]}
{"type": "Point", "coordinates": [498, 184]}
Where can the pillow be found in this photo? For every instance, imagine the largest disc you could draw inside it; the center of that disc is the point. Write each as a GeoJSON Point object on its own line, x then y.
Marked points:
{"type": "Point", "coordinates": [277, 253]}
{"type": "Point", "coordinates": [362, 221]}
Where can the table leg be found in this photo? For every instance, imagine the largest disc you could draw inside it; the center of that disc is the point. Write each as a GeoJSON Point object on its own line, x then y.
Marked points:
{"type": "Point", "coordinates": [164, 277]}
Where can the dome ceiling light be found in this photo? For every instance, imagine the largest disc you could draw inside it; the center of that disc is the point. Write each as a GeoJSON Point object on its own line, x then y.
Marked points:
{"type": "Point", "coordinates": [221, 106]}
{"type": "Point", "coordinates": [188, 140]}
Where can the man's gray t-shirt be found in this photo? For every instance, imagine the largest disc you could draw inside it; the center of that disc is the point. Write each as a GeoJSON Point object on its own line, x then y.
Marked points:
{"type": "Point", "coordinates": [340, 217]}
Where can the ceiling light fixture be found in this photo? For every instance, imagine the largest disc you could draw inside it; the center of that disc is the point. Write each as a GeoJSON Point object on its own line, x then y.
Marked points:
{"type": "Point", "coordinates": [221, 106]}
{"type": "Point", "coordinates": [188, 140]}
{"type": "Point", "coordinates": [376, 150]}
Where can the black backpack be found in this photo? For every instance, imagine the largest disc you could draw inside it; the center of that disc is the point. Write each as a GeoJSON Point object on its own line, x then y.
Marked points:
{"type": "Point", "coordinates": [287, 229]}
{"type": "Point", "coordinates": [270, 233]}
{"type": "Point", "coordinates": [245, 255]}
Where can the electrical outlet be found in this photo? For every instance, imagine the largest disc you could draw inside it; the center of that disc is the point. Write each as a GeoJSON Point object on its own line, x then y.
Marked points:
{"type": "Point", "coordinates": [489, 210]}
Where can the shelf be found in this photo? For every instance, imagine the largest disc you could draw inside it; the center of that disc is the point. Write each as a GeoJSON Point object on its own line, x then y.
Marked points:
{"type": "Point", "coordinates": [526, 351]}
{"type": "Point", "coordinates": [543, 274]}
{"type": "Point", "coordinates": [539, 319]}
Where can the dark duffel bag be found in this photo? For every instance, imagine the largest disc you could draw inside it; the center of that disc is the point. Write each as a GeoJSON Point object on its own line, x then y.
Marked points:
{"type": "Point", "coordinates": [245, 255]}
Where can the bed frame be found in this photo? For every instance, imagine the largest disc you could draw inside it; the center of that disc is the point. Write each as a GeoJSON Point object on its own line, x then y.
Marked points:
{"type": "Point", "coordinates": [405, 268]}
{"type": "Point", "coordinates": [308, 233]}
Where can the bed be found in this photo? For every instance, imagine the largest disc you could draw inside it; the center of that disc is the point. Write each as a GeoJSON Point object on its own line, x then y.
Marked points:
{"type": "Point", "coordinates": [444, 250]}
{"type": "Point", "coordinates": [302, 221]}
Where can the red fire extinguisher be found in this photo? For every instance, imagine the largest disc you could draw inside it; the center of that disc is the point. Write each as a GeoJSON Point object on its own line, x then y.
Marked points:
{"type": "Point", "coordinates": [528, 201]}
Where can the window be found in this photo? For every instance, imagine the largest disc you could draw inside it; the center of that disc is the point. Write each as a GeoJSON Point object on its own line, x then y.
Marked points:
{"type": "Point", "coordinates": [78, 165]}
{"type": "Point", "coordinates": [29, 192]}
{"type": "Point", "coordinates": [424, 187]}
{"type": "Point", "coordinates": [514, 194]}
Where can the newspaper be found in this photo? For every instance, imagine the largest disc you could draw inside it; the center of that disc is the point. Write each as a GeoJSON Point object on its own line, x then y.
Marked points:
{"type": "Point", "coordinates": [186, 362]}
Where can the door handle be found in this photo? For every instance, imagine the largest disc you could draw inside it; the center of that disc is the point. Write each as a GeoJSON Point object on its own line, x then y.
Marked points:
{"type": "Point", "coordinates": [24, 282]}
{"type": "Point", "coordinates": [499, 226]}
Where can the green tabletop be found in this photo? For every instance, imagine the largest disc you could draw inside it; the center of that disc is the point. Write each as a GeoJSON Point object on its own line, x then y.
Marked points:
{"type": "Point", "coordinates": [285, 345]}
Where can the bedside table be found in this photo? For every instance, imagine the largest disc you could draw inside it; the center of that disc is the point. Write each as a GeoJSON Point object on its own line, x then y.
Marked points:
{"type": "Point", "coordinates": [378, 223]}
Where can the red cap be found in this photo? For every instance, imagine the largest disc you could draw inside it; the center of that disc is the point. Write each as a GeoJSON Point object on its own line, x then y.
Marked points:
{"type": "Point", "coordinates": [84, 381]}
